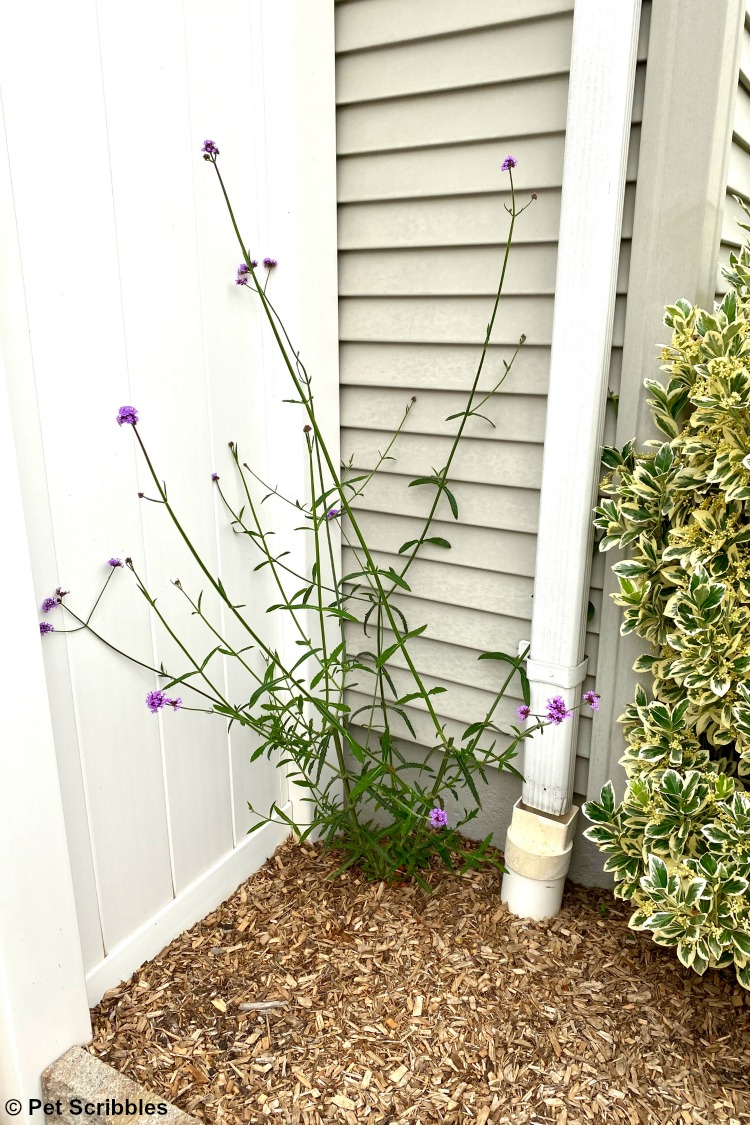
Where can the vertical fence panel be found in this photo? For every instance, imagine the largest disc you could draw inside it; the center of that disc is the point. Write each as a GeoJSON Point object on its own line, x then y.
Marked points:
{"type": "Point", "coordinates": [223, 75]}
{"type": "Point", "coordinates": [17, 351]}
{"type": "Point", "coordinates": [152, 156]}
{"type": "Point", "coordinates": [119, 274]}
{"type": "Point", "coordinates": [42, 985]}
{"type": "Point", "coordinates": [63, 204]}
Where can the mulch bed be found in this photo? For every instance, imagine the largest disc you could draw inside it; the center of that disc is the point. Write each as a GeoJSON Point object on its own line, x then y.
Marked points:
{"type": "Point", "coordinates": [304, 999]}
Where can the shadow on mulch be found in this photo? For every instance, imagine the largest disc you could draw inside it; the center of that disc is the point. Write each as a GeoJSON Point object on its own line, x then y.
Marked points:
{"type": "Point", "coordinates": [302, 999]}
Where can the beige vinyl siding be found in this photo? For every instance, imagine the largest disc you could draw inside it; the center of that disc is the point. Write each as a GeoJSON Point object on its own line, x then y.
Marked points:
{"type": "Point", "coordinates": [431, 97]}
{"type": "Point", "coordinates": [738, 177]}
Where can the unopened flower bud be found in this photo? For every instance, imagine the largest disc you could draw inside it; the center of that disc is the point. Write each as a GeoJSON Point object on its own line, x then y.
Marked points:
{"type": "Point", "coordinates": [306, 429]}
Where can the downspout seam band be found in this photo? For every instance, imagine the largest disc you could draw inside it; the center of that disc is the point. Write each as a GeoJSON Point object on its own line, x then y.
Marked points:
{"type": "Point", "coordinates": [563, 676]}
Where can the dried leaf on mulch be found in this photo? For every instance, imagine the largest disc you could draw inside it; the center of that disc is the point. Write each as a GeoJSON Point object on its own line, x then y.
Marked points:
{"type": "Point", "coordinates": [303, 999]}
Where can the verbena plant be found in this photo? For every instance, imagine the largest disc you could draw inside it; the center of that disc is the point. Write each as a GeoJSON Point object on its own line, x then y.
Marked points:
{"type": "Point", "coordinates": [679, 843]}
{"type": "Point", "coordinates": [366, 796]}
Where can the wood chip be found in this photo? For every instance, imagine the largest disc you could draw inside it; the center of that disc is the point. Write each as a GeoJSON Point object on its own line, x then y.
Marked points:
{"type": "Point", "coordinates": [343, 1102]}
{"type": "Point", "coordinates": [263, 1005]}
{"type": "Point", "coordinates": [384, 1004]}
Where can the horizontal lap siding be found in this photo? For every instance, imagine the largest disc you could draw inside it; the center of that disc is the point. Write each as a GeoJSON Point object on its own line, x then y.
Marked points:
{"type": "Point", "coordinates": [431, 97]}
{"type": "Point", "coordinates": [738, 177]}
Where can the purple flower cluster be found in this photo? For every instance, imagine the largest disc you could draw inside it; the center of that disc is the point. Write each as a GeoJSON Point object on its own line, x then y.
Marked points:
{"type": "Point", "coordinates": [508, 163]}
{"type": "Point", "coordinates": [243, 272]}
{"type": "Point", "coordinates": [438, 818]}
{"type": "Point", "coordinates": [127, 416]}
{"type": "Point", "coordinates": [592, 699]}
{"type": "Point", "coordinates": [214, 476]}
{"type": "Point", "coordinates": [45, 627]}
{"type": "Point", "coordinates": [113, 563]}
{"type": "Point", "coordinates": [557, 710]}
{"type": "Point", "coordinates": [209, 150]}
{"type": "Point", "coordinates": [155, 700]}
{"type": "Point", "coordinates": [269, 263]}
{"type": "Point", "coordinates": [48, 604]}
{"type": "Point", "coordinates": [332, 513]}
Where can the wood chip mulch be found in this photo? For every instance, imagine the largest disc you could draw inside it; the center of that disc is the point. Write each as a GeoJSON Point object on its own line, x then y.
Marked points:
{"type": "Point", "coordinates": [305, 999]}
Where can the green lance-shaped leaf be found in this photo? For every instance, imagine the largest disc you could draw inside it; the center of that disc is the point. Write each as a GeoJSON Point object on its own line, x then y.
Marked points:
{"type": "Point", "coordinates": [515, 661]}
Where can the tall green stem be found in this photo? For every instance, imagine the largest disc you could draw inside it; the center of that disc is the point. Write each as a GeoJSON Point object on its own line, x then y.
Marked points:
{"type": "Point", "coordinates": [332, 469]}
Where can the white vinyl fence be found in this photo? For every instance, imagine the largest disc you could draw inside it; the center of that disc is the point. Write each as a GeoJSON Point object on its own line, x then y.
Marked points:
{"type": "Point", "coordinates": [117, 265]}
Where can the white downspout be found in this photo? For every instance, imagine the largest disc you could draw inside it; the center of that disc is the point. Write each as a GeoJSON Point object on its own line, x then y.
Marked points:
{"type": "Point", "coordinates": [602, 76]}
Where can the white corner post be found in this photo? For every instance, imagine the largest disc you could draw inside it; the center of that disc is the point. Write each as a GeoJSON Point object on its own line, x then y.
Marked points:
{"type": "Point", "coordinates": [602, 75]}
{"type": "Point", "coordinates": [300, 150]}
{"type": "Point", "coordinates": [43, 1005]}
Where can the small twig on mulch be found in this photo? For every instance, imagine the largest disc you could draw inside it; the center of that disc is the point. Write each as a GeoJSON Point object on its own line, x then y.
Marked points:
{"type": "Point", "coordinates": [307, 1000]}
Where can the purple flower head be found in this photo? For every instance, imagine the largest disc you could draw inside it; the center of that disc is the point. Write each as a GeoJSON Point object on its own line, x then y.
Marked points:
{"type": "Point", "coordinates": [557, 710]}
{"type": "Point", "coordinates": [332, 513]}
{"type": "Point", "coordinates": [155, 700]}
{"type": "Point", "coordinates": [127, 416]}
{"type": "Point", "coordinates": [243, 272]}
{"type": "Point", "coordinates": [209, 149]}
{"type": "Point", "coordinates": [214, 476]}
{"type": "Point", "coordinates": [438, 818]}
{"type": "Point", "coordinates": [45, 627]}
{"type": "Point", "coordinates": [508, 163]}
{"type": "Point", "coordinates": [523, 712]}
{"type": "Point", "coordinates": [48, 604]}
{"type": "Point", "coordinates": [269, 263]}
{"type": "Point", "coordinates": [113, 563]}
{"type": "Point", "coordinates": [592, 699]}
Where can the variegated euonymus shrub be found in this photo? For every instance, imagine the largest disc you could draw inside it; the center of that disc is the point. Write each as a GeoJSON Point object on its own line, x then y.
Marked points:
{"type": "Point", "coordinates": [679, 843]}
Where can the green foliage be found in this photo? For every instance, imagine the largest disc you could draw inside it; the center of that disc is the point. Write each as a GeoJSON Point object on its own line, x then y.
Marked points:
{"type": "Point", "coordinates": [362, 792]}
{"type": "Point", "coordinates": [679, 843]}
